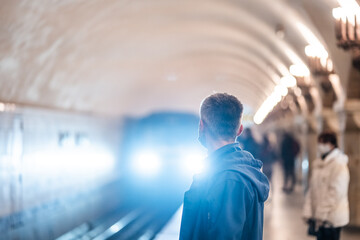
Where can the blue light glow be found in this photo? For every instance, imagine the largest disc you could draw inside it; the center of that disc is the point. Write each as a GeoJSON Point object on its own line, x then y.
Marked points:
{"type": "Point", "coordinates": [147, 163]}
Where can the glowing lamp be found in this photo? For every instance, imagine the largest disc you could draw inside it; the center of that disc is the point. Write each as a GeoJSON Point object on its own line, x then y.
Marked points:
{"type": "Point", "coordinates": [147, 163]}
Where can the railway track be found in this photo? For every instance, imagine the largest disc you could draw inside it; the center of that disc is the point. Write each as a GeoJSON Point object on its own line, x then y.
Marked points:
{"type": "Point", "coordinates": [137, 222]}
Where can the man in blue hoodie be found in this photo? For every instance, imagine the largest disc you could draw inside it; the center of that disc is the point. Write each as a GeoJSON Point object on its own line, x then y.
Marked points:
{"type": "Point", "coordinates": [227, 200]}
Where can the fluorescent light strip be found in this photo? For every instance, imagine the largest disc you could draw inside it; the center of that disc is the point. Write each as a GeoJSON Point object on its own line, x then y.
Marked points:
{"type": "Point", "coordinates": [299, 68]}
{"type": "Point", "coordinates": [280, 91]}
{"type": "Point", "coordinates": [349, 5]}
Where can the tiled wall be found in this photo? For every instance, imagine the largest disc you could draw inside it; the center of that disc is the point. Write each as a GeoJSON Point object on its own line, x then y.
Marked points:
{"type": "Point", "coordinates": [56, 171]}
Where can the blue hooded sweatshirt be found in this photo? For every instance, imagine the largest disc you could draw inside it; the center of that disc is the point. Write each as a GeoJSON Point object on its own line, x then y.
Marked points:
{"type": "Point", "coordinates": [226, 202]}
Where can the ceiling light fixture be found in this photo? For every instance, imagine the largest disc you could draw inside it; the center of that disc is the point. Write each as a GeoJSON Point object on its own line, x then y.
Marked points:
{"type": "Point", "coordinates": [319, 62]}
{"type": "Point", "coordinates": [347, 28]}
{"type": "Point", "coordinates": [299, 70]}
{"type": "Point", "coordinates": [288, 81]}
{"type": "Point", "coordinates": [280, 91]}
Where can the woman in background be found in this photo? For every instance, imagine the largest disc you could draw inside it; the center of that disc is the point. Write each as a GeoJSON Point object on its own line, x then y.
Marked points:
{"type": "Point", "coordinates": [326, 206]}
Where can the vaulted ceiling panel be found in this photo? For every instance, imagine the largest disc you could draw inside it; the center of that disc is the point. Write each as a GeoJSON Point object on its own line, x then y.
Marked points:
{"type": "Point", "coordinates": [132, 57]}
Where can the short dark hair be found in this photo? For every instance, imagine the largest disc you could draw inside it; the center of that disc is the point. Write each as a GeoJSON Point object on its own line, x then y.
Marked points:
{"type": "Point", "coordinates": [221, 113]}
{"type": "Point", "coordinates": [328, 137]}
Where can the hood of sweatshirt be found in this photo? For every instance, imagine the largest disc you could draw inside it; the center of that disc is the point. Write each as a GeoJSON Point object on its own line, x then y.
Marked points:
{"type": "Point", "coordinates": [232, 158]}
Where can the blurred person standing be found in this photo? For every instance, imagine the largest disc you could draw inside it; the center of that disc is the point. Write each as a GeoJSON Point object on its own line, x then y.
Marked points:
{"type": "Point", "coordinates": [248, 142]}
{"type": "Point", "coordinates": [226, 201]}
{"type": "Point", "coordinates": [267, 156]}
{"type": "Point", "coordinates": [289, 150]}
{"type": "Point", "coordinates": [326, 208]}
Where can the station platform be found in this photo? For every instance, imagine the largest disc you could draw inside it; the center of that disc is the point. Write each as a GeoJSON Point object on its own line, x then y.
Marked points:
{"type": "Point", "coordinates": [283, 216]}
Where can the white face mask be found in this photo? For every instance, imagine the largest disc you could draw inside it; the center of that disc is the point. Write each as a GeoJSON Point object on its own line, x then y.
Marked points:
{"type": "Point", "coordinates": [324, 148]}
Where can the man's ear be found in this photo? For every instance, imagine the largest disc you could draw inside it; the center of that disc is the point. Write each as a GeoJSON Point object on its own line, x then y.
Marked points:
{"type": "Point", "coordinates": [241, 128]}
{"type": "Point", "coordinates": [201, 124]}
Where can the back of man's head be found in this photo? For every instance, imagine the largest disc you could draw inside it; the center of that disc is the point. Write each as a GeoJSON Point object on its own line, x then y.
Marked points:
{"type": "Point", "coordinates": [221, 114]}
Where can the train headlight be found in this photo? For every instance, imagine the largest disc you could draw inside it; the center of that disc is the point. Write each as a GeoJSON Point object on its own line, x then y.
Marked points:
{"type": "Point", "coordinates": [147, 163]}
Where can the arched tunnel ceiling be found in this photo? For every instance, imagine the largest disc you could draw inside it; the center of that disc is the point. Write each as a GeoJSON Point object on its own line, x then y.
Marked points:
{"type": "Point", "coordinates": [133, 57]}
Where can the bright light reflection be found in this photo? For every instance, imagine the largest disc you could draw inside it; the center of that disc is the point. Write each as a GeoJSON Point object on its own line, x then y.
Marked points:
{"type": "Point", "coordinates": [335, 81]}
{"type": "Point", "coordinates": [350, 7]}
{"type": "Point", "coordinates": [338, 13]}
{"type": "Point", "coordinates": [194, 162]}
{"type": "Point", "coordinates": [80, 161]}
{"type": "Point", "coordinates": [310, 37]}
{"type": "Point", "coordinates": [288, 81]}
{"type": "Point", "coordinates": [266, 107]}
{"type": "Point", "coordinates": [305, 165]}
{"type": "Point", "coordinates": [314, 51]}
{"type": "Point", "coordinates": [299, 70]}
{"type": "Point", "coordinates": [348, 10]}
{"type": "Point", "coordinates": [281, 90]}
{"type": "Point", "coordinates": [147, 163]}
{"type": "Point", "coordinates": [115, 228]}
{"type": "Point", "coordinates": [330, 65]}
{"type": "Point", "coordinates": [323, 62]}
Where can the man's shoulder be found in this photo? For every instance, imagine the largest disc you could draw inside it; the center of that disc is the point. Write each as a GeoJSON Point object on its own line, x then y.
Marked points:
{"type": "Point", "coordinates": [233, 178]}
{"type": "Point", "coordinates": [230, 175]}
{"type": "Point", "coordinates": [230, 183]}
